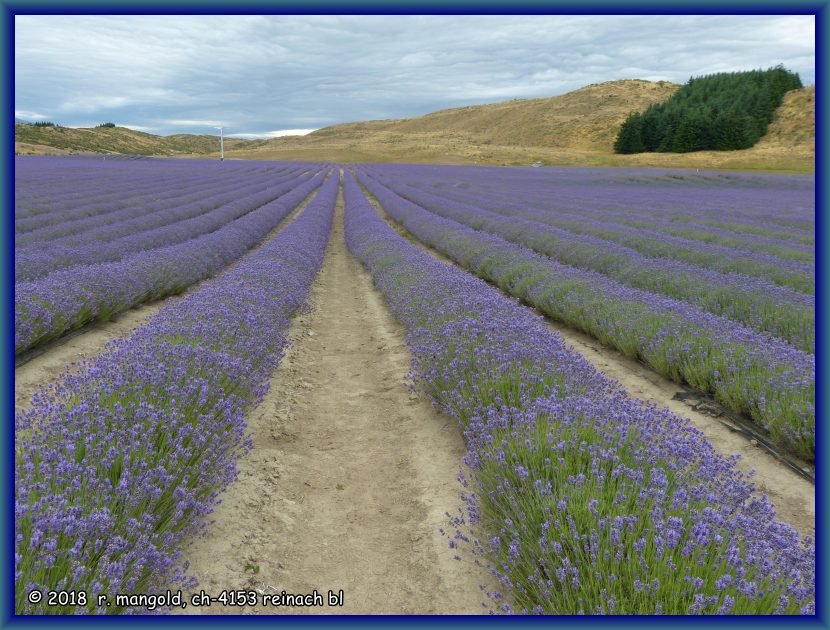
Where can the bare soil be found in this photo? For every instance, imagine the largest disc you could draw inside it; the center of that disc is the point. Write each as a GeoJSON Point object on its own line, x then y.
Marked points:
{"type": "Point", "coordinates": [350, 475]}
{"type": "Point", "coordinates": [792, 496]}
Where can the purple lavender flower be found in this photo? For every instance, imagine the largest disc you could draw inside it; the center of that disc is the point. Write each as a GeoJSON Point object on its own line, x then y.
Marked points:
{"type": "Point", "coordinates": [638, 499]}
{"type": "Point", "coordinates": [119, 463]}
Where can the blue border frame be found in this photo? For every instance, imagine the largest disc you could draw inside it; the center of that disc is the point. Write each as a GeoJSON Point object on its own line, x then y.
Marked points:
{"type": "Point", "coordinates": [823, 382]}
{"type": "Point", "coordinates": [9, 8]}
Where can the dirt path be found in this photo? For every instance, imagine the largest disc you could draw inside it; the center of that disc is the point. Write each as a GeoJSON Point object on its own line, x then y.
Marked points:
{"type": "Point", "coordinates": [350, 475]}
{"type": "Point", "coordinates": [792, 495]}
{"type": "Point", "coordinates": [47, 367]}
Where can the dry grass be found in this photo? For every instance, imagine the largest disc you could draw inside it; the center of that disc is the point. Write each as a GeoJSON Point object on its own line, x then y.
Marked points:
{"type": "Point", "coordinates": [576, 129]}
{"type": "Point", "coordinates": [120, 140]}
{"type": "Point", "coordinates": [27, 148]}
{"type": "Point", "coordinates": [587, 118]}
{"type": "Point", "coordinates": [795, 121]}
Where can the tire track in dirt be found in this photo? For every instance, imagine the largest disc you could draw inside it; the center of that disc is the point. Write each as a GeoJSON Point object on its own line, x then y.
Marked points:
{"type": "Point", "coordinates": [792, 495]}
{"type": "Point", "coordinates": [350, 475]}
{"type": "Point", "coordinates": [64, 352]}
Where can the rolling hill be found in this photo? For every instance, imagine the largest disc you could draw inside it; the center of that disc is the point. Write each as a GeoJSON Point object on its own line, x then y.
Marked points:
{"type": "Point", "coordinates": [577, 128]}
{"type": "Point", "coordinates": [29, 139]}
{"type": "Point", "coordinates": [587, 118]}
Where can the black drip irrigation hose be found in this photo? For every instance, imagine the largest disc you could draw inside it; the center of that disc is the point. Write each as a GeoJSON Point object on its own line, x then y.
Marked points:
{"type": "Point", "coordinates": [735, 424]}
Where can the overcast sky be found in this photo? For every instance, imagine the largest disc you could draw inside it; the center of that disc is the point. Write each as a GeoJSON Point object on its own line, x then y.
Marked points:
{"type": "Point", "coordinates": [266, 74]}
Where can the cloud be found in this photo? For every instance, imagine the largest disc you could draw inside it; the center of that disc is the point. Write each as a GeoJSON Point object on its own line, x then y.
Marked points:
{"type": "Point", "coordinates": [178, 122]}
{"type": "Point", "coordinates": [417, 59]}
{"type": "Point", "coordinates": [91, 103]}
{"type": "Point", "coordinates": [174, 73]}
{"type": "Point", "coordinates": [19, 113]}
{"type": "Point", "coordinates": [140, 128]}
{"type": "Point", "coordinates": [271, 134]}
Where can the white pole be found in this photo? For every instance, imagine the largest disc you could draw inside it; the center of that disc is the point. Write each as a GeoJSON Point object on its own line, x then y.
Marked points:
{"type": "Point", "coordinates": [221, 143]}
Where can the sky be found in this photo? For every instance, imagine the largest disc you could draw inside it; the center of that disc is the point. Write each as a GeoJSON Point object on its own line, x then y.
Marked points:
{"type": "Point", "coordinates": [264, 76]}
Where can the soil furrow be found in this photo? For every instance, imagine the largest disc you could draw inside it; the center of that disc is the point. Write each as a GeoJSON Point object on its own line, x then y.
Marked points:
{"type": "Point", "coordinates": [350, 475]}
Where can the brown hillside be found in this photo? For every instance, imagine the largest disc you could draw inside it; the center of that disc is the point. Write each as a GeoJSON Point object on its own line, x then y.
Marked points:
{"type": "Point", "coordinates": [794, 124]}
{"type": "Point", "coordinates": [119, 140]}
{"type": "Point", "coordinates": [587, 118]}
{"type": "Point", "coordinates": [576, 129]}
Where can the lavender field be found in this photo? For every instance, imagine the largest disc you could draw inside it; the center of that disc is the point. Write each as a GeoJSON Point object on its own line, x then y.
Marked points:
{"type": "Point", "coordinates": [93, 238]}
{"type": "Point", "coordinates": [746, 339]}
{"type": "Point", "coordinates": [576, 496]}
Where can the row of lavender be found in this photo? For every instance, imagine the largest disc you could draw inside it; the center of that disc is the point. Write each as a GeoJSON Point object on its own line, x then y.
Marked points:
{"type": "Point", "coordinates": [138, 198]}
{"type": "Point", "coordinates": [66, 299]}
{"type": "Point", "coordinates": [61, 221]}
{"type": "Point", "coordinates": [172, 222]}
{"type": "Point", "coordinates": [583, 500]}
{"type": "Point", "coordinates": [120, 462]}
{"type": "Point", "coordinates": [40, 180]}
{"type": "Point", "coordinates": [782, 205]}
{"type": "Point", "coordinates": [686, 227]}
{"type": "Point", "coordinates": [749, 372]}
{"type": "Point", "coordinates": [678, 208]}
{"type": "Point", "coordinates": [756, 302]}
{"type": "Point", "coordinates": [791, 265]}
{"type": "Point", "coordinates": [79, 187]}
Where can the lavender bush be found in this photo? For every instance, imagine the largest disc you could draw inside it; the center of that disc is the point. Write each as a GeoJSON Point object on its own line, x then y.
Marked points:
{"type": "Point", "coordinates": [133, 207]}
{"type": "Point", "coordinates": [783, 204]}
{"type": "Point", "coordinates": [119, 462]}
{"type": "Point", "coordinates": [797, 274]}
{"type": "Point", "coordinates": [87, 191]}
{"type": "Point", "coordinates": [626, 209]}
{"type": "Point", "coordinates": [760, 304]}
{"type": "Point", "coordinates": [150, 230]}
{"type": "Point", "coordinates": [48, 307]}
{"type": "Point", "coordinates": [582, 500]}
{"type": "Point", "coordinates": [751, 373]}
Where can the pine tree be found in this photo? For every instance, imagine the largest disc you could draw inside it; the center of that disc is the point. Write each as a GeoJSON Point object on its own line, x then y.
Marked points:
{"type": "Point", "coordinates": [724, 111]}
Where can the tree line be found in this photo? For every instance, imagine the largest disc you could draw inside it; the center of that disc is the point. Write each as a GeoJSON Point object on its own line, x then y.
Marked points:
{"type": "Point", "coordinates": [723, 112]}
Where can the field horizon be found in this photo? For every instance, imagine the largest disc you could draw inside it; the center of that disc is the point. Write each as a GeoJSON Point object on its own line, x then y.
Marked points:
{"type": "Point", "coordinates": [573, 129]}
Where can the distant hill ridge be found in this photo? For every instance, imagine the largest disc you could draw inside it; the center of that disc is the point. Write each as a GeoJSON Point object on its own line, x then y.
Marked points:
{"type": "Point", "coordinates": [116, 140]}
{"type": "Point", "coordinates": [575, 128]}
{"type": "Point", "coordinates": [587, 118]}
